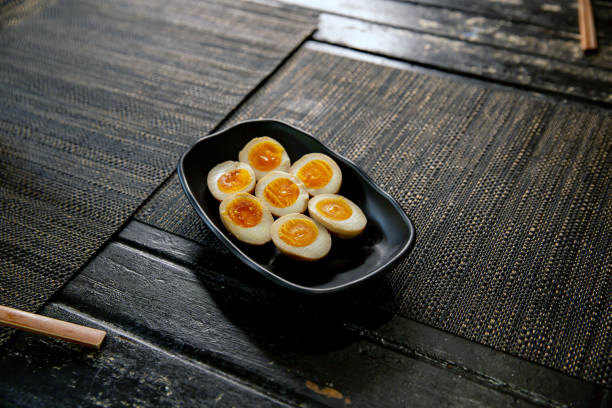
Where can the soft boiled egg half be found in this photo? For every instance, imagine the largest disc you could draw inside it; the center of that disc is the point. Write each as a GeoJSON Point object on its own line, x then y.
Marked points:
{"type": "Point", "coordinates": [264, 155]}
{"type": "Point", "coordinates": [230, 177]}
{"type": "Point", "coordinates": [319, 173]}
{"type": "Point", "coordinates": [338, 214]}
{"type": "Point", "coordinates": [282, 193]}
{"type": "Point", "coordinates": [300, 237]}
{"type": "Point", "coordinates": [246, 218]}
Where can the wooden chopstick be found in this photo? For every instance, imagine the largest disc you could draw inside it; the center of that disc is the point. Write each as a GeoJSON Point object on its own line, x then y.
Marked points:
{"type": "Point", "coordinates": [85, 336]}
{"type": "Point", "coordinates": [586, 23]}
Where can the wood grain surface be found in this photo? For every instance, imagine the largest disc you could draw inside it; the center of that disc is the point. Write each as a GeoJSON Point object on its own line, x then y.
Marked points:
{"type": "Point", "coordinates": [555, 14]}
{"type": "Point", "coordinates": [128, 370]}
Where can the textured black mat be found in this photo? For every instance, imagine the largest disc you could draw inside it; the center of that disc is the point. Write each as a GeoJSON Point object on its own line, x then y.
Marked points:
{"type": "Point", "coordinates": [97, 101]}
{"type": "Point", "coordinates": [510, 196]}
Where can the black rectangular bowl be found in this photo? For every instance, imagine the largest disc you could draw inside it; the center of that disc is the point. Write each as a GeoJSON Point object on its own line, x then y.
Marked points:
{"type": "Point", "coordinates": [389, 234]}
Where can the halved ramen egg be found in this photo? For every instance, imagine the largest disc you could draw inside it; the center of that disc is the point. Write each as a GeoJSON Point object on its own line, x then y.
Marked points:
{"type": "Point", "coordinates": [338, 214]}
{"type": "Point", "coordinates": [264, 155]}
{"type": "Point", "coordinates": [246, 218]}
{"type": "Point", "coordinates": [230, 177]}
{"type": "Point", "coordinates": [282, 193]}
{"type": "Point", "coordinates": [300, 237]}
{"type": "Point", "coordinates": [319, 173]}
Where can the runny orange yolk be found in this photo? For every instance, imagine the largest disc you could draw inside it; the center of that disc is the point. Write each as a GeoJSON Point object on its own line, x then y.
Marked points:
{"type": "Point", "coordinates": [298, 232]}
{"type": "Point", "coordinates": [265, 156]}
{"type": "Point", "coordinates": [244, 212]}
{"type": "Point", "coordinates": [281, 192]}
{"type": "Point", "coordinates": [335, 208]}
{"type": "Point", "coordinates": [234, 180]}
{"type": "Point", "coordinates": [315, 174]}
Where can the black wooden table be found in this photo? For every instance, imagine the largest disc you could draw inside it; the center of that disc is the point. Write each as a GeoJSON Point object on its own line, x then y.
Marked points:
{"type": "Point", "coordinates": [189, 326]}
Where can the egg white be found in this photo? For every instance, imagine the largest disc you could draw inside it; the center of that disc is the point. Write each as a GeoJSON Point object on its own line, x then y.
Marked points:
{"type": "Point", "coordinates": [349, 228]}
{"type": "Point", "coordinates": [299, 205]}
{"type": "Point", "coordinates": [216, 172]}
{"type": "Point", "coordinates": [256, 235]}
{"type": "Point", "coordinates": [333, 186]}
{"type": "Point", "coordinates": [243, 156]}
{"type": "Point", "coordinates": [312, 252]}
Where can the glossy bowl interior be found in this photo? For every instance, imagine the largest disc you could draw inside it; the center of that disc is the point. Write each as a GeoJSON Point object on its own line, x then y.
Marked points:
{"type": "Point", "coordinates": [389, 234]}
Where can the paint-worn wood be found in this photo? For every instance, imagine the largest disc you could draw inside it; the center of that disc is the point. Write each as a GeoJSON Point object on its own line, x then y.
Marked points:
{"type": "Point", "coordinates": [43, 325]}
{"type": "Point", "coordinates": [459, 355]}
{"type": "Point", "coordinates": [42, 372]}
{"type": "Point", "coordinates": [559, 43]}
{"type": "Point", "coordinates": [284, 344]}
{"type": "Point", "coordinates": [553, 13]}
{"type": "Point", "coordinates": [457, 56]}
{"type": "Point", "coordinates": [468, 358]}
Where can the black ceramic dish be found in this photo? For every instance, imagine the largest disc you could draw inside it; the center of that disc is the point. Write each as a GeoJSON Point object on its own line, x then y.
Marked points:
{"type": "Point", "coordinates": [388, 236]}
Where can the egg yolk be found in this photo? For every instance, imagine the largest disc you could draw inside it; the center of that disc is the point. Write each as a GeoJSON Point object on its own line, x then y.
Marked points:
{"type": "Point", "coordinates": [281, 192]}
{"type": "Point", "coordinates": [335, 209]}
{"type": "Point", "coordinates": [315, 174]}
{"type": "Point", "coordinates": [298, 232]}
{"type": "Point", "coordinates": [265, 156]}
{"type": "Point", "coordinates": [244, 212]}
{"type": "Point", "coordinates": [234, 180]}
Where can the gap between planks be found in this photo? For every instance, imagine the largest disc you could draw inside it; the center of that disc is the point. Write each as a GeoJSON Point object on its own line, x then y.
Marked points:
{"type": "Point", "coordinates": [476, 376]}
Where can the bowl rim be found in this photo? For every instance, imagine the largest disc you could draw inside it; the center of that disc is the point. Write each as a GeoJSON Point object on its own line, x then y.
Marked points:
{"type": "Point", "coordinates": [259, 268]}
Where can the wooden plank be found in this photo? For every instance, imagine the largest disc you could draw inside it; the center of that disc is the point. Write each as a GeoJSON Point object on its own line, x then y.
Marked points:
{"type": "Point", "coordinates": [43, 372]}
{"type": "Point", "coordinates": [467, 358]}
{"type": "Point", "coordinates": [456, 56]}
{"type": "Point", "coordinates": [559, 43]}
{"type": "Point", "coordinates": [553, 13]}
{"type": "Point", "coordinates": [288, 346]}
{"type": "Point", "coordinates": [420, 341]}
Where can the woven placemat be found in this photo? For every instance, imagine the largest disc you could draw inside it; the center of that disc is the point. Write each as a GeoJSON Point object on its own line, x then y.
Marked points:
{"type": "Point", "coordinates": [97, 102]}
{"type": "Point", "coordinates": [510, 195]}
